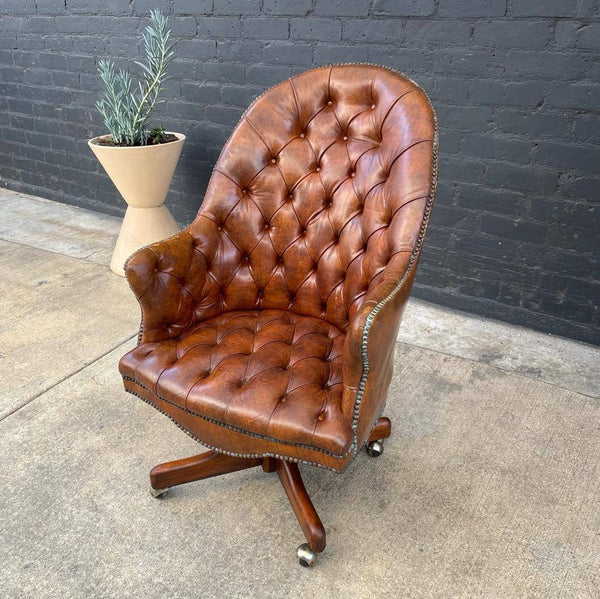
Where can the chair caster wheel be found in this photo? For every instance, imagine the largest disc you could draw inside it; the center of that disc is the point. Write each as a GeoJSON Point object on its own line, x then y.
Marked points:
{"type": "Point", "coordinates": [306, 556]}
{"type": "Point", "coordinates": [159, 492]}
{"type": "Point", "coordinates": [375, 448]}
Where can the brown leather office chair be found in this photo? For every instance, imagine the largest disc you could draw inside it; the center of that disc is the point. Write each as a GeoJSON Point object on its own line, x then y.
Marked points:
{"type": "Point", "coordinates": [269, 324]}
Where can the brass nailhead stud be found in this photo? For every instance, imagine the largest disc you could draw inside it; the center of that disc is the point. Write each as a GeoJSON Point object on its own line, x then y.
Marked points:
{"type": "Point", "coordinates": [273, 160]}
{"type": "Point", "coordinates": [330, 103]}
{"type": "Point", "coordinates": [345, 138]}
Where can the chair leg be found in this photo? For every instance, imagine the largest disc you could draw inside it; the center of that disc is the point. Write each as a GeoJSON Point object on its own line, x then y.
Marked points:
{"type": "Point", "coordinates": [382, 430]}
{"type": "Point", "coordinates": [269, 464]}
{"type": "Point", "coordinates": [197, 467]}
{"type": "Point", "coordinates": [307, 516]}
{"type": "Point", "coordinates": [211, 463]}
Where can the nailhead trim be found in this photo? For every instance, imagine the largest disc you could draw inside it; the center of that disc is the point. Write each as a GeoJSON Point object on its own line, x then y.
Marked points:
{"type": "Point", "coordinates": [371, 316]}
{"type": "Point", "coordinates": [411, 262]}
{"type": "Point", "coordinates": [247, 455]}
{"type": "Point", "coordinates": [233, 453]}
{"type": "Point", "coordinates": [236, 429]}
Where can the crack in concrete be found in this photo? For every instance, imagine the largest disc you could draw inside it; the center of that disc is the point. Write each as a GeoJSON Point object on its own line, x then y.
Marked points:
{"type": "Point", "coordinates": [62, 380]}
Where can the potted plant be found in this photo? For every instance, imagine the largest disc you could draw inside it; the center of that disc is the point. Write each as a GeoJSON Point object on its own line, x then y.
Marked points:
{"type": "Point", "coordinates": [139, 160]}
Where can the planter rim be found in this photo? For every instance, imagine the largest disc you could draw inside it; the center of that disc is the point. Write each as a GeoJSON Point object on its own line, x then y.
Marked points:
{"type": "Point", "coordinates": [91, 142]}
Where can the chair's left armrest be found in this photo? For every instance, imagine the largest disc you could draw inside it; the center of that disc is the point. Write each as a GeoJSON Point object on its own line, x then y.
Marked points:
{"type": "Point", "coordinates": [167, 279]}
{"type": "Point", "coordinates": [369, 347]}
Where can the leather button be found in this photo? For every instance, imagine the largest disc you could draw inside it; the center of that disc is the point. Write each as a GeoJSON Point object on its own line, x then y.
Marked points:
{"type": "Point", "coordinates": [352, 174]}
{"type": "Point", "coordinates": [283, 398]}
{"type": "Point", "coordinates": [372, 106]}
{"type": "Point", "coordinates": [273, 160]}
{"type": "Point", "coordinates": [318, 169]}
{"type": "Point", "coordinates": [290, 196]}
{"type": "Point", "coordinates": [246, 258]}
{"type": "Point", "coordinates": [321, 416]}
{"type": "Point", "coordinates": [267, 226]}
{"type": "Point", "coordinates": [303, 135]}
{"type": "Point", "coordinates": [329, 103]}
{"type": "Point", "coordinates": [219, 228]}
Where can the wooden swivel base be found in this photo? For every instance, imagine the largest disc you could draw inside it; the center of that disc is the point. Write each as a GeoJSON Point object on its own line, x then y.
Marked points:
{"type": "Point", "coordinates": [211, 463]}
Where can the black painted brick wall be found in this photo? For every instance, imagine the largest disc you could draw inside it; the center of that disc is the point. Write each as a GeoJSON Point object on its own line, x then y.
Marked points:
{"type": "Point", "coordinates": [515, 82]}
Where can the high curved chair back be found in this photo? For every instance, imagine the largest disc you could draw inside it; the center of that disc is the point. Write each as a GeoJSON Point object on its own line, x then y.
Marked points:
{"type": "Point", "coordinates": [321, 188]}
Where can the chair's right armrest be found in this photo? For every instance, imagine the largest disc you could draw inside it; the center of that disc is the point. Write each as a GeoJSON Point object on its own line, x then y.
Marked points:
{"type": "Point", "coordinates": [370, 343]}
{"type": "Point", "coordinates": [167, 279]}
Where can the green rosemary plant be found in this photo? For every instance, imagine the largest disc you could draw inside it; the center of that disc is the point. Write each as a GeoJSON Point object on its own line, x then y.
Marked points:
{"type": "Point", "coordinates": [125, 109]}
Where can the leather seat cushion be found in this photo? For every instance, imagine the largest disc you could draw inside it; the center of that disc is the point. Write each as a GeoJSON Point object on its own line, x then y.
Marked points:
{"type": "Point", "coordinates": [270, 373]}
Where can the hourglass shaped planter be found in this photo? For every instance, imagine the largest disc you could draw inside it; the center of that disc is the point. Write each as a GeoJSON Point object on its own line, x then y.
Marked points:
{"type": "Point", "coordinates": [142, 174]}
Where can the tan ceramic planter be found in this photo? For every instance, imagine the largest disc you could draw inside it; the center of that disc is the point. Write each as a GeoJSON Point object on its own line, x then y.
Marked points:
{"type": "Point", "coordinates": [142, 174]}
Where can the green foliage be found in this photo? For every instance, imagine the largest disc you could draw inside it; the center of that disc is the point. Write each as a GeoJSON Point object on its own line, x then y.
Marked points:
{"type": "Point", "coordinates": [126, 112]}
{"type": "Point", "coordinates": [157, 135]}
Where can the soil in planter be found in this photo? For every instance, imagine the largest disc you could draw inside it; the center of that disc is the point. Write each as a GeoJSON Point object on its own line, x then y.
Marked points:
{"type": "Point", "coordinates": [168, 137]}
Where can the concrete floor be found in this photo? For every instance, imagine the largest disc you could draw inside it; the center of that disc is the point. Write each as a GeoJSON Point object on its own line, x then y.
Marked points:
{"type": "Point", "coordinates": [489, 486]}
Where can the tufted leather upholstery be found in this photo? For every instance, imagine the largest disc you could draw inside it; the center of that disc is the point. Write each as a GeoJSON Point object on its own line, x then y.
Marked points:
{"type": "Point", "coordinates": [269, 323]}
{"type": "Point", "coordinates": [265, 371]}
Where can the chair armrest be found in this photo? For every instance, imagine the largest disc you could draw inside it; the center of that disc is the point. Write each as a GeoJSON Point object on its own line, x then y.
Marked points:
{"type": "Point", "coordinates": [370, 343]}
{"type": "Point", "coordinates": [167, 279]}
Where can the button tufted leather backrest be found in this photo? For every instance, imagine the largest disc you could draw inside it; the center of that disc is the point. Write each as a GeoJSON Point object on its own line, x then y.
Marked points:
{"type": "Point", "coordinates": [322, 184]}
